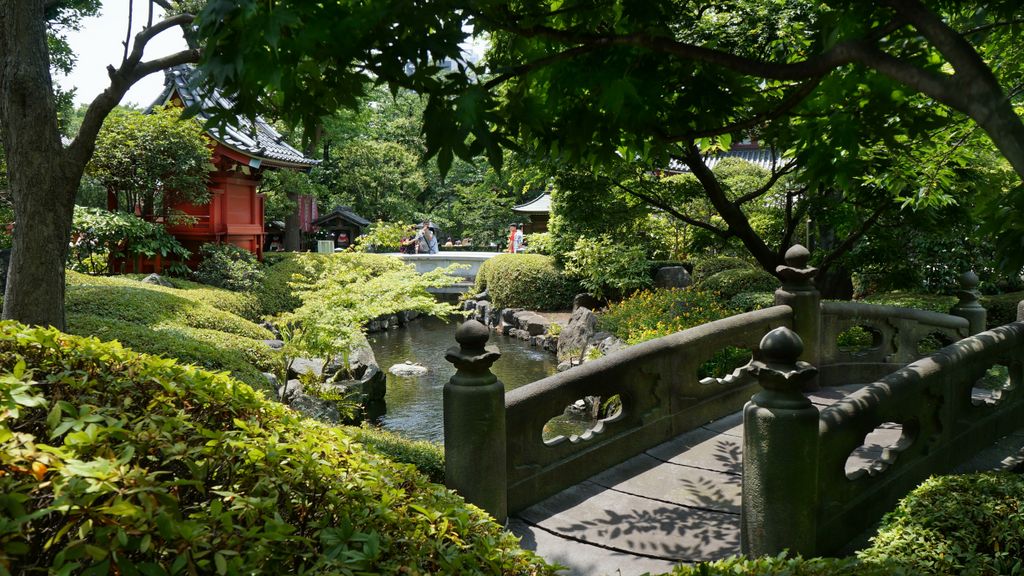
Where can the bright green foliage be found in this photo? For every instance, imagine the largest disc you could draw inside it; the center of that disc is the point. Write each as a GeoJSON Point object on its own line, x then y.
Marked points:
{"type": "Point", "coordinates": [961, 524]}
{"type": "Point", "coordinates": [705, 268]}
{"type": "Point", "coordinates": [650, 314]}
{"type": "Point", "coordinates": [276, 294]}
{"type": "Point", "coordinates": [608, 268]}
{"type": "Point", "coordinates": [118, 462]}
{"type": "Point", "coordinates": [784, 565]}
{"type": "Point", "coordinates": [341, 293]}
{"type": "Point", "coordinates": [382, 237]}
{"type": "Point", "coordinates": [538, 243]}
{"type": "Point", "coordinates": [427, 457]}
{"type": "Point", "coordinates": [379, 180]}
{"type": "Point", "coordinates": [178, 323]}
{"type": "Point", "coordinates": [529, 281]}
{"type": "Point", "coordinates": [99, 235]}
{"type": "Point", "coordinates": [238, 303]}
{"type": "Point", "coordinates": [151, 161]}
{"type": "Point", "coordinates": [230, 267]}
{"type": "Point", "coordinates": [932, 302]}
{"type": "Point", "coordinates": [750, 301]}
{"type": "Point", "coordinates": [730, 283]}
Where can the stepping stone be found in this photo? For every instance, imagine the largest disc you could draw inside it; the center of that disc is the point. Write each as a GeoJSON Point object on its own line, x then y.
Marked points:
{"type": "Point", "coordinates": [635, 525]}
{"type": "Point", "coordinates": [582, 559]}
{"type": "Point", "coordinates": [651, 478]}
{"type": "Point", "coordinates": [703, 448]}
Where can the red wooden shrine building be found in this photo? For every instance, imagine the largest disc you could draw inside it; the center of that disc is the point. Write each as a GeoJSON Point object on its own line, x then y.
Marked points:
{"type": "Point", "coordinates": [234, 213]}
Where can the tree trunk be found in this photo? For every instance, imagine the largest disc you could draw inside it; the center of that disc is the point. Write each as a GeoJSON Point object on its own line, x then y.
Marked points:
{"type": "Point", "coordinates": [42, 180]}
{"type": "Point", "coordinates": [292, 234]}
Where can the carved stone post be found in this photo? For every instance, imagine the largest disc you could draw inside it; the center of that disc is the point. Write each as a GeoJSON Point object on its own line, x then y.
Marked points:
{"type": "Point", "coordinates": [799, 293]}
{"type": "Point", "coordinates": [780, 453]}
{"type": "Point", "coordinates": [969, 307]}
{"type": "Point", "coordinates": [474, 423]}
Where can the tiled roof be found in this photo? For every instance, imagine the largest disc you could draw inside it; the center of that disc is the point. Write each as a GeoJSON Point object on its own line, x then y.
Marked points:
{"type": "Point", "coordinates": [539, 205]}
{"type": "Point", "coordinates": [343, 213]}
{"type": "Point", "coordinates": [260, 141]}
{"type": "Point", "coordinates": [762, 157]}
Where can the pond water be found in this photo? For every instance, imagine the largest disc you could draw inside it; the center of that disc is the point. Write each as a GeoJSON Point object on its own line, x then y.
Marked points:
{"type": "Point", "coordinates": [414, 404]}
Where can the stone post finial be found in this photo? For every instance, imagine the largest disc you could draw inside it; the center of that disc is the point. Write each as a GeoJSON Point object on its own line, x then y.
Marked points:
{"type": "Point", "coordinates": [780, 452]}
{"type": "Point", "coordinates": [472, 357]}
{"type": "Point", "coordinates": [968, 305]}
{"type": "Point", "coordinates": [795, 273]}
{"type": "Point", "coordinates": [474, 422]}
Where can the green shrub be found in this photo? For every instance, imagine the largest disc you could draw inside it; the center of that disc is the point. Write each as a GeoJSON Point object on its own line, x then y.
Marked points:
{"type": "Point", "coordinates": [276, 293]}
{"type": "Point", "coordinates": [708, 267]}
{"type": "Point", "coordinates": [525, 281]}
{"type": "Point", "coordinates": [932, 302]}
{"type": "Point", "coordinates": [607, 268]}
{"type": "Point", "coordinates": [539, 243]}
{"type": "Point", "coordinates": [730, 283]}
{"type": "Point", "coordinates": [99, 235]}
{"type": "Point", "coordinates": [1002, 308]}
{"type": "Point", "coordinates": [382, 237]}
{"type": "Point", "coordinates": [139, 303]}
{"type": "Point", "coordinates": [961, 524]}
{"type": "Point", "coordinates": [154, 467]}
{"type": "Point", "coordinates": [427, 457]}
{"type": "Point", "coordinates": [228, 266]}
{"type": "Point", "coordinates": [750, 301]}
{"type": "Point", "coordinates": [783, 565]}
{"type": "Point", "coordinates": [244, 358]}
{"type": "Point", "coordinates": [177, 323]}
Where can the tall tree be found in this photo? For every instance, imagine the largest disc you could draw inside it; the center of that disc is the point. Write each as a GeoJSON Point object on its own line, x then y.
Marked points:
{"type": "Point", "coordinates": [44, 174]}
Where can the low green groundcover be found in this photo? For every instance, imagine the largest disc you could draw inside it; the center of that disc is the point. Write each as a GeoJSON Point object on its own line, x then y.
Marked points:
{"type": "Point", "coordinates": [115, 462]}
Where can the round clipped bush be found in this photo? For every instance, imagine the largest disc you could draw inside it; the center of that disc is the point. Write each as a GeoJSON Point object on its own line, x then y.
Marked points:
{"type": "Point", "coordinates": [526, 281]}
{"type": "Point", "coordinates": [153, 467]}
{"type": "Point", "coordinates": [708, 267]}
{"type": "Point", "coordinates": [730, 283]}
{"type": "Point", "coordinates": [750, 301]}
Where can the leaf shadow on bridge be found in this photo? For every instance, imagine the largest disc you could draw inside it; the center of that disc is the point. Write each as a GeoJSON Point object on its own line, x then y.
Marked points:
{"type": "Point", "coordinates": [650, 507]}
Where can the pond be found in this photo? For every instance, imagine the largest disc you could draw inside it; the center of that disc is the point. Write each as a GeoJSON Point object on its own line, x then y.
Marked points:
{"type": "Point", "coordinates": [414, 404]}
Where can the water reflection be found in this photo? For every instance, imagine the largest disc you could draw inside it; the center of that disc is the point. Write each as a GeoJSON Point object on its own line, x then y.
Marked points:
{"type": "Point", "coordinates": [414, 403]}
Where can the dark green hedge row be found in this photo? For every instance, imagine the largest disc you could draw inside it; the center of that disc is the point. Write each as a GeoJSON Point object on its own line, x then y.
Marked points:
{"type": "Point", "coordinates": [153, 467]}
{"type": "Point", "coordinates": [530, 281]}
{"type": "Point", "coordinates": [708, 267]}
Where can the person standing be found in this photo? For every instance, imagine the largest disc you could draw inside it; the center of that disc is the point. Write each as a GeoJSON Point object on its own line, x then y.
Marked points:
{"type": "Point", "coordinates": [517, 239]}
{"type": "Point", "coordinates": [511, 239]}
{"type": "Point", "coordinates": [426, 240]}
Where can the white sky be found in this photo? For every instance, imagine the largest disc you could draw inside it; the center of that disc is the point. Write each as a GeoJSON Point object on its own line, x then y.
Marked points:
{"type": "Point", "coordinates": [98, 44]}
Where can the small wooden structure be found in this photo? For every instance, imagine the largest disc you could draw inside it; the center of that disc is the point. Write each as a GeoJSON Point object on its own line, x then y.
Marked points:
{"type": "Point", "coordinates": [537, 213]}
{"type": "Point", "coordinates": [241, 153]}
{"type": "Point", "coordinates": [341, 225]}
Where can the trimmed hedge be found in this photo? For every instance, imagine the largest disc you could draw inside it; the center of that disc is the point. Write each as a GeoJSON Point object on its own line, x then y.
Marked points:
{"type": "Point", "coordinates": [708, 267]}
{"type": "Point", "coordinates": [171, 322]}
{"type": "Point", "coordinates": [530, 281]}
{"type": "Point", "coordinates": [153, 467]}
{"type": "Point", "coordinates": [750, 301]}
{"type": "Point", "coordinates": [1002, 308]}
{"type": "Point", "coordinates": [426, 456]}
{"type": "Point", "coordinates": [239, 303]}
{"type": "Point", "coordinates": [931, 302]}
{"type": "Point", "coordinates": [730, 283]}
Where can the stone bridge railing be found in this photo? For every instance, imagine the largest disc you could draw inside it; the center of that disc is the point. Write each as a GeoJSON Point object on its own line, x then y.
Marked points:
{"type": "Point", "coordinates": [662, 397]}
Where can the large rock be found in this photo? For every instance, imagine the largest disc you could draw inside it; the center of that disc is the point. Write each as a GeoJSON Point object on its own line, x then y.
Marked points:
{"type": "Point", "coordinates": [508, 316]}
{"type": "Point", "coordinates": [483, 311]}
{"type": "Point", "coordinates": [408, 368]}
{"type": "Point", "coordinates": [672, 277]}
{"type": "Point", "coordinates": [572, 341]}
{"type": "Point", "coordinates": [157, 280]}
{"type": "Point", "coordinates": [293, 394]}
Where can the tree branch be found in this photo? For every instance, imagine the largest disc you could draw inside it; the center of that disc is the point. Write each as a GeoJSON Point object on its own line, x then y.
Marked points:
{"type": "Point", "coordinates": [724, 234]}
{"type": "Point", "coordinates": [852, 239]}
{"type": "Point", "coordinates": [539, 63]}
{"type": "Point", "coordinates": [764, 188]}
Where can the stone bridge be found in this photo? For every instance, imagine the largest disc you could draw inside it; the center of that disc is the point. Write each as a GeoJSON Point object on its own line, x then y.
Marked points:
{"type": "Point", "coordinates": [829, 438]}
{"type": "Point", "coordinates": [471, 261]}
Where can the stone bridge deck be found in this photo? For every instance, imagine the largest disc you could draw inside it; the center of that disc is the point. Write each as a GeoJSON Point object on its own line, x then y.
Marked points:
{"type": "Point", "coordinates": [677, 502]}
